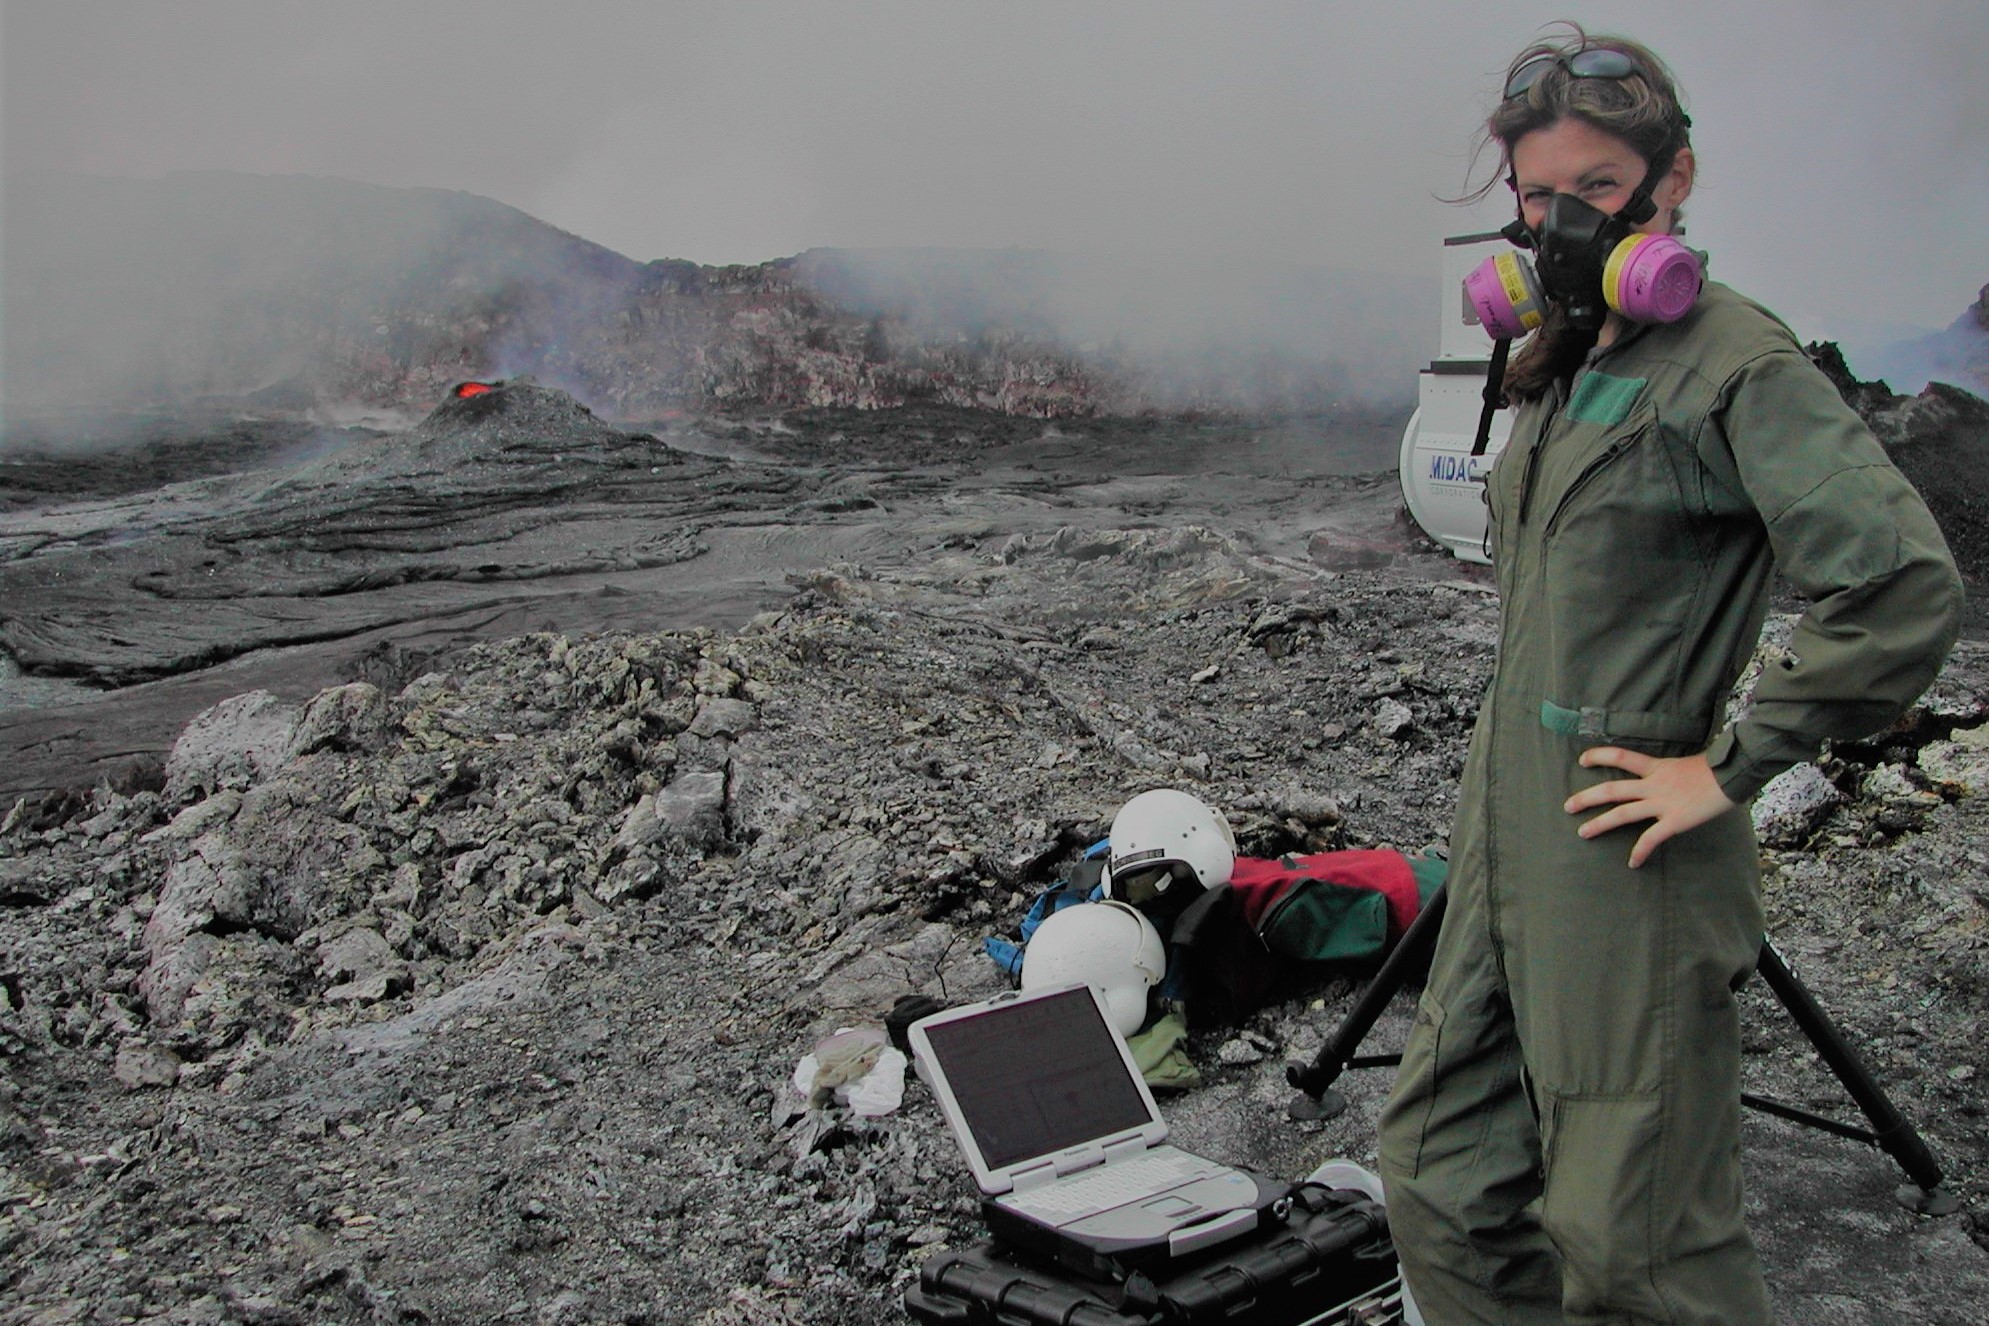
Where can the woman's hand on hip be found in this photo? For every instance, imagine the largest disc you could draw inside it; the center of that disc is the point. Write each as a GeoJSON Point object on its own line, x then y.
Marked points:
{"type": "Point", "coordinates": [1676, 795]}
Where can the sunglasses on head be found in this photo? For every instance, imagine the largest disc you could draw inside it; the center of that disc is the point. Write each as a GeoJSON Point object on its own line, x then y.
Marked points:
{"type": "Point", "coordinates": [1594, 62]}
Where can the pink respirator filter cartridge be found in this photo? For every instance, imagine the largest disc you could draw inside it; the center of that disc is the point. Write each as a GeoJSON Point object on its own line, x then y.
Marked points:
{"type": "Point", "coordinates": [1504, 295]}
{"type": "Point", "coordinates": [1652, 278]}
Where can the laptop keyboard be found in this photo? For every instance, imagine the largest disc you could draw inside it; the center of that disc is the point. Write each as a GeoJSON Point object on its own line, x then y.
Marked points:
{"type": "Point", "coordinates": [1108, 1186]}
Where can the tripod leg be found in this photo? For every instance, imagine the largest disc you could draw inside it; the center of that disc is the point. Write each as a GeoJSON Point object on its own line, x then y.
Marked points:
{"type": "Point", "coordinates": [1890, 1129]}
{"type": "Point", "coordinates": [1313, 1079]}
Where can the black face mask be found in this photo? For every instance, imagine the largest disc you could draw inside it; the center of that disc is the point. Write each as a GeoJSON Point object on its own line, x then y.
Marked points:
{"type": "Point", "coordinates": [1571, 246]}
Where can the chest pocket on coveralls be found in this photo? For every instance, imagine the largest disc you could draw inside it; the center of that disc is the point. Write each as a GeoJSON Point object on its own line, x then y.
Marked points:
{"type": "Point", "coordinates": [1604, 477]}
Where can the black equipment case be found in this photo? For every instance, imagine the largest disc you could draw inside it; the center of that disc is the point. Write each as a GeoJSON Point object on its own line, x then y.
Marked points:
{"type": "Point", "coordinates": [1329, 1262]}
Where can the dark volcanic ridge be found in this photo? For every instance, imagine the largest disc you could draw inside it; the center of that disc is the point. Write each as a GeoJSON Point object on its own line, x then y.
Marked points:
{"type": "Point", "coordinates": [320, 296]}
{"type": "Point", "coordinates": [342, 303]}
{"type": "Point", "coordinates": [1939, 438]}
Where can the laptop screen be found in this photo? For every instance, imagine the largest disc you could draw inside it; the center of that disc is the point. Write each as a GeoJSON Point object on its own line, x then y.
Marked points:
{"type": "Point", "coordinates": [1037, 1076]}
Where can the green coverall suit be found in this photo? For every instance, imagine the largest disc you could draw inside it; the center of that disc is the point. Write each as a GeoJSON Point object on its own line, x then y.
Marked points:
{"type": "Point", "coordinates": [1562, 1142]}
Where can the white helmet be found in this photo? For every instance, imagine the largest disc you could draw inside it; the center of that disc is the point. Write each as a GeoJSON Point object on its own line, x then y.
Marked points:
{"type": "Point", "coordinates": [1162, 836]}
{"type": "Point", "coordinates": [1107, 945]}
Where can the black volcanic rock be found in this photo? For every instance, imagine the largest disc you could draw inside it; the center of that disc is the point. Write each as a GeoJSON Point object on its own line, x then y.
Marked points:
{"type": "Point", "coordinates": [1867, 398]}
{"type": "Point", "coordinates": [1939, 438]}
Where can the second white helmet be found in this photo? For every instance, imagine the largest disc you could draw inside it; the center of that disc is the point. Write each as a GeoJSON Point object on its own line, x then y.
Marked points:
{"type": "Point", "coordinates": [1107, 945]}
{"type": "Point", "coordinates": [1163, 837]}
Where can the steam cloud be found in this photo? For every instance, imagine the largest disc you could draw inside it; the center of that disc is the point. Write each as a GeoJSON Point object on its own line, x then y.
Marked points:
{"type": "Point", "coordinates": [303, 291]}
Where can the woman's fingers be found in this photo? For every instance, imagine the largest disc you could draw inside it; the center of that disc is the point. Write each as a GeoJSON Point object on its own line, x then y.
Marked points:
{"type": "Point", "coordinates": [1635, 763]}
{"type": "Point", "coordinates": [1676, 794]}
{"type": "Point", "coordinates": [1603, 794]}
{"type": "Point", "coordinates": [1647, 842]}
{"type": "Point", "coordinates": [1615, 757]}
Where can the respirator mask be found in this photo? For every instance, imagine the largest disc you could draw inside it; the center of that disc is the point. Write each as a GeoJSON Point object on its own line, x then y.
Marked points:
{"type": "Point", "coordinates": [1588, 262]}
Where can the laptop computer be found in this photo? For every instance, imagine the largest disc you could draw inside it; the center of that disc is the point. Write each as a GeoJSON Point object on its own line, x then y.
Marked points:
{"type": "Point", "coordinates": [1065, 1140]}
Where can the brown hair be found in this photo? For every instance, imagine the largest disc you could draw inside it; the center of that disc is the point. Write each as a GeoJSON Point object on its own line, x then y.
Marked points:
{"type": "Point", "coordinates": [1643, 109]}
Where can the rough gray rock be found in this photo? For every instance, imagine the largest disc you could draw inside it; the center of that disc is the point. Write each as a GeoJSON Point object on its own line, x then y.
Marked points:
{"type": "Point", "coordinates": [1960, 766]}
{"type": "Point", "coordinates": [140, 1065]}
{"type": "Point", "coordinates": [1793, 805]}
{"type": "Point", "coordinates": [231, 745]}
{"type": "Point", "coordinates": [394, 1027]}
{"type": "Point", "coordinates": [350, 717]}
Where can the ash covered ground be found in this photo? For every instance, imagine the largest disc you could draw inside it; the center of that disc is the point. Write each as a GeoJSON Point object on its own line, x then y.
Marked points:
{"type": "Point", "coordinates": [448, 970]}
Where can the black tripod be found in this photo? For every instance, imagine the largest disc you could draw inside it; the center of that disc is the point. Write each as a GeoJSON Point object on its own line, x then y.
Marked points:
{"type": "Point", "coordinates": [1889, 1129]}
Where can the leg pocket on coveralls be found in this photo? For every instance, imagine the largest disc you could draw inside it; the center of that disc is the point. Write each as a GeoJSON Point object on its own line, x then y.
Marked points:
{"type": "Point", "coordinates": [1600, 1160]}
{"type": "Point", "coordinates": [1406, 1121]}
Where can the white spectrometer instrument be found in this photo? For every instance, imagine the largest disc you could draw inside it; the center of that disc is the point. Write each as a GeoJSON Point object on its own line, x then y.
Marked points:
{"type": "Point", "coordinates": [1442, 482]}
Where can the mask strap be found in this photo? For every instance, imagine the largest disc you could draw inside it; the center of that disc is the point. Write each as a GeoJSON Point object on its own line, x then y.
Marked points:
{"type": "Point", "coordinates": [1641, 207]}
{"type": "Point", "coordinates": [1495, 394]}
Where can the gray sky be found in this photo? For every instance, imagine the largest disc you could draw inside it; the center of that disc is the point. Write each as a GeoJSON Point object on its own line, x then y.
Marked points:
{"type": "Point", "coordinates": [1844, 146]}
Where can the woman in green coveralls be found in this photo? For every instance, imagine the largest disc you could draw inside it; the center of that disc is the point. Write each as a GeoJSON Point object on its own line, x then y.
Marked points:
{"type": "Point", "coordinates": [1562, 1142]}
